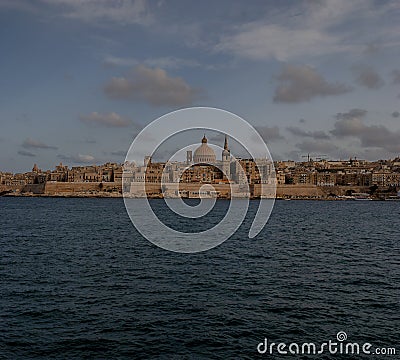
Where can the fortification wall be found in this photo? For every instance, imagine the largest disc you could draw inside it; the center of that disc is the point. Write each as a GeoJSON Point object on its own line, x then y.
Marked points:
{"type": "Point", "coordinates": [97, 188]}
{"type": "Point", "coordinates": [10, 187]}
{"type": "Point", "coordinates": [315, 191]}
{"type": "Point", "coordinates": [36, 189]}
{"type": "Point", "coordinates": [74, 188]}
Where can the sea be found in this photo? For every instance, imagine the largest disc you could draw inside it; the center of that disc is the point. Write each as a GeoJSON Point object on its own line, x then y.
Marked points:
{"type": "Point", "coordinates": [78, 281]}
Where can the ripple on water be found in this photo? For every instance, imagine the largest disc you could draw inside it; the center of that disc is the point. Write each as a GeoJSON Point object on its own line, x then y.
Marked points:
{"type": "Point", "coordinates": [77, 281]}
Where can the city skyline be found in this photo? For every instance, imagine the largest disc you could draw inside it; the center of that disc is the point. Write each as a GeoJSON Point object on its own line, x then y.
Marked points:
{"type": "Point", "coordinates": [81, 79]}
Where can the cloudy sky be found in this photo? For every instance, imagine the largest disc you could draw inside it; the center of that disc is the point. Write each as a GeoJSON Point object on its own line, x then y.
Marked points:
{"type": "Point", "coordinates": [79, 78]}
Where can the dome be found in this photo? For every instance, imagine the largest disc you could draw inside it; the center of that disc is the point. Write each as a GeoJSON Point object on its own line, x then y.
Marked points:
{"type": "Point", "coordinates": [204, 154]}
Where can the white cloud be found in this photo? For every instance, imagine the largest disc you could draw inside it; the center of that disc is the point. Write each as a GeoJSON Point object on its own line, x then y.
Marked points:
{"type": "Point", "coordinates": [78, 159]}
{"type": "Point", "coordinates": [318, 134]}
{"type": "Point", "coordinates": [154, 86]}
{"type": "Point", "coordinates": [26, 153]}
{"type": "Point", "coordinates": [106, 119]}
{"type": "Point", "coordinates": [302, 83]}
{"type": "Point", "coordinates": [352, 124]}
{"type": "Point", "coordinates": [119, 153]}
{"type": "Point", "coordinates": [284, 38]}
{"type": "Point", "coordinates": [167, 62]}
{"type": "Point", "coordinates": [30, 143]}
{"type": "Point", "coordinates": [260, 41]}
{"type": "Point", "coordinates": [121, 11]}
{"type": "Point", "coordinates": [311, 28]}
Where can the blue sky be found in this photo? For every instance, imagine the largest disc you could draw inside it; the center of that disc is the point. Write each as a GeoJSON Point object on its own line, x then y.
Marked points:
{"type": "Point", "coordinates": [80, 78]}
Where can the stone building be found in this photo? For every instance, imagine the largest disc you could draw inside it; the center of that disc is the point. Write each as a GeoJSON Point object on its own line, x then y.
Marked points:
{"type": "Point", "coordinates": [204, 154]}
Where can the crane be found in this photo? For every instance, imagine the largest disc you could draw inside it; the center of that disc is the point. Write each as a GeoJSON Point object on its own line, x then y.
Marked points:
{"type": "Point", "coordinates": [321, 157]}
{"type": "Point", "coordinates": [306, 156]}
{"type": "Point", "coordinates": [316, 157]}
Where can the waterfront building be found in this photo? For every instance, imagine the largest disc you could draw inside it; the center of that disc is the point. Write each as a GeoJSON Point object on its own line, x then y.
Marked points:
{"type": "Point", "coordinates": [201, 166]}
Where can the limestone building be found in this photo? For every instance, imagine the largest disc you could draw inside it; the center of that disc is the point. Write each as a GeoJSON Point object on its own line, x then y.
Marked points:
{"type": "Point", "coordinates": [204, 154]}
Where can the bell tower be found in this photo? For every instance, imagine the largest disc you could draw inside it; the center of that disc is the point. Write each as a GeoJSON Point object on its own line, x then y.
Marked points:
{"type": "Point", "coordinates": [226, 160]}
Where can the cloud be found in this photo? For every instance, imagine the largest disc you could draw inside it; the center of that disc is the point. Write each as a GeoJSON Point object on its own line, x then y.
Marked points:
{"type": "Point", "coordinates": [313, 134]}
{"type": "Point", "coordinates": [269, 134]}
{"type": "Point", "coordinates": [153, 86]}
{"type": "Point", "coordinates": [104, 11]}
{"type": "Point", "coordinates": [352, 124]}
{"type": "Point", "coordinates": [302, 83]}
{"type": "Point", "coordinates": [78, 159]}
{"type": "Point", "coordinates": [348, 127]}
{"type": "Point", "coordinates": [168, 62]}
{"type": "Point", "coordinates": [29, 143]}
{"type": "Point", "coordinates": [107, 119]}
{"type": "Point", "coordinates": [26, 153]}
{"type": "Point", "coordinates": [311, 28]}
{"type": "Point", "coordinates": [119, 153]}
{"type": "Point", "coordinates": [320, 147]}
{"type": "Point", "coordinates": [395, 114]}
{"type": "Point", "coordinates": [396, 76]}
{"type": "Point", "coordinates": [366, 76]}
{"type": "Point", "coordinates": [353, 113]}
{"type": "Point", "coordinates": [259, 41]}
{"type": "Point", "coordinates": [307, 29]}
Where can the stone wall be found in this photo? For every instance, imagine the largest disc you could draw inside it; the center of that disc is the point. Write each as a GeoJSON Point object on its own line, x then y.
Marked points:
{"type": "Point", "coordinates": [315, 191]}
{"type": "Point", "coordinates": [10, 187]}
{"type": "Point", "coordinates": [75, 188]}
{"type": "Point", "coordinates": [36, 189]}
{"type": "Point", "coordinates": [97, 188]}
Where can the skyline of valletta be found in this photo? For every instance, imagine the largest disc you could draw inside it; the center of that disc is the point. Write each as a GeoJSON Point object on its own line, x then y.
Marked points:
{"type": "Point", "coordinates": [79, 82]}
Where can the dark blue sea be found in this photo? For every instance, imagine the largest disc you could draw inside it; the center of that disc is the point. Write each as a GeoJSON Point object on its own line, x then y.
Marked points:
{"type": "Point", "coordinates": [77, 281]}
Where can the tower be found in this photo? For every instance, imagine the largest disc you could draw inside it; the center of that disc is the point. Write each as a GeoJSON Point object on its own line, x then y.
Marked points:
{"type": "Point", "coordinates": [189, 157]}
{"type": "Point", "coordinates": [226, 160]}
{"type": "Point", "coordinates": [147, 160]}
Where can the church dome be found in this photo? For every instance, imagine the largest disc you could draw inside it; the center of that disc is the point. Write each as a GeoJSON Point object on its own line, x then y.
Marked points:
{"type": "Point", "coordinates": [204, 154]}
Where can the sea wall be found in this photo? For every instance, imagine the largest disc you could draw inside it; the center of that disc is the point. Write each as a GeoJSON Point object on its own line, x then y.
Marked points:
{"type": "Point", "coordinates": [75, 188]}
{"type": "Point", "coordinates": [154, 190]}
{"type": "Point", "coordinates": [313, 191]}
{"type": "Point", "coordinates": [6, 188]}
{"type": "Point", "coordinates": [36, 189]}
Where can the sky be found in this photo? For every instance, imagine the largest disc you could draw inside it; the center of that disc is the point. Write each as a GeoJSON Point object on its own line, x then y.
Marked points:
{"type": "Point", "coordinates": [80, 78]}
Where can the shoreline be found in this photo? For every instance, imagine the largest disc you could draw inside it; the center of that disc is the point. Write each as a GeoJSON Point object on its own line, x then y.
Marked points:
{"type": "Point", "coordinates": [120, 196]}
{"type": "Point", "coordinates": [154, 191]}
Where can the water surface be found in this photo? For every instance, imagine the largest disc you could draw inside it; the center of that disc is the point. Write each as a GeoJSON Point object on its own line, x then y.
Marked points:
{"type": "Point", "coordinates": [78, 281]}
